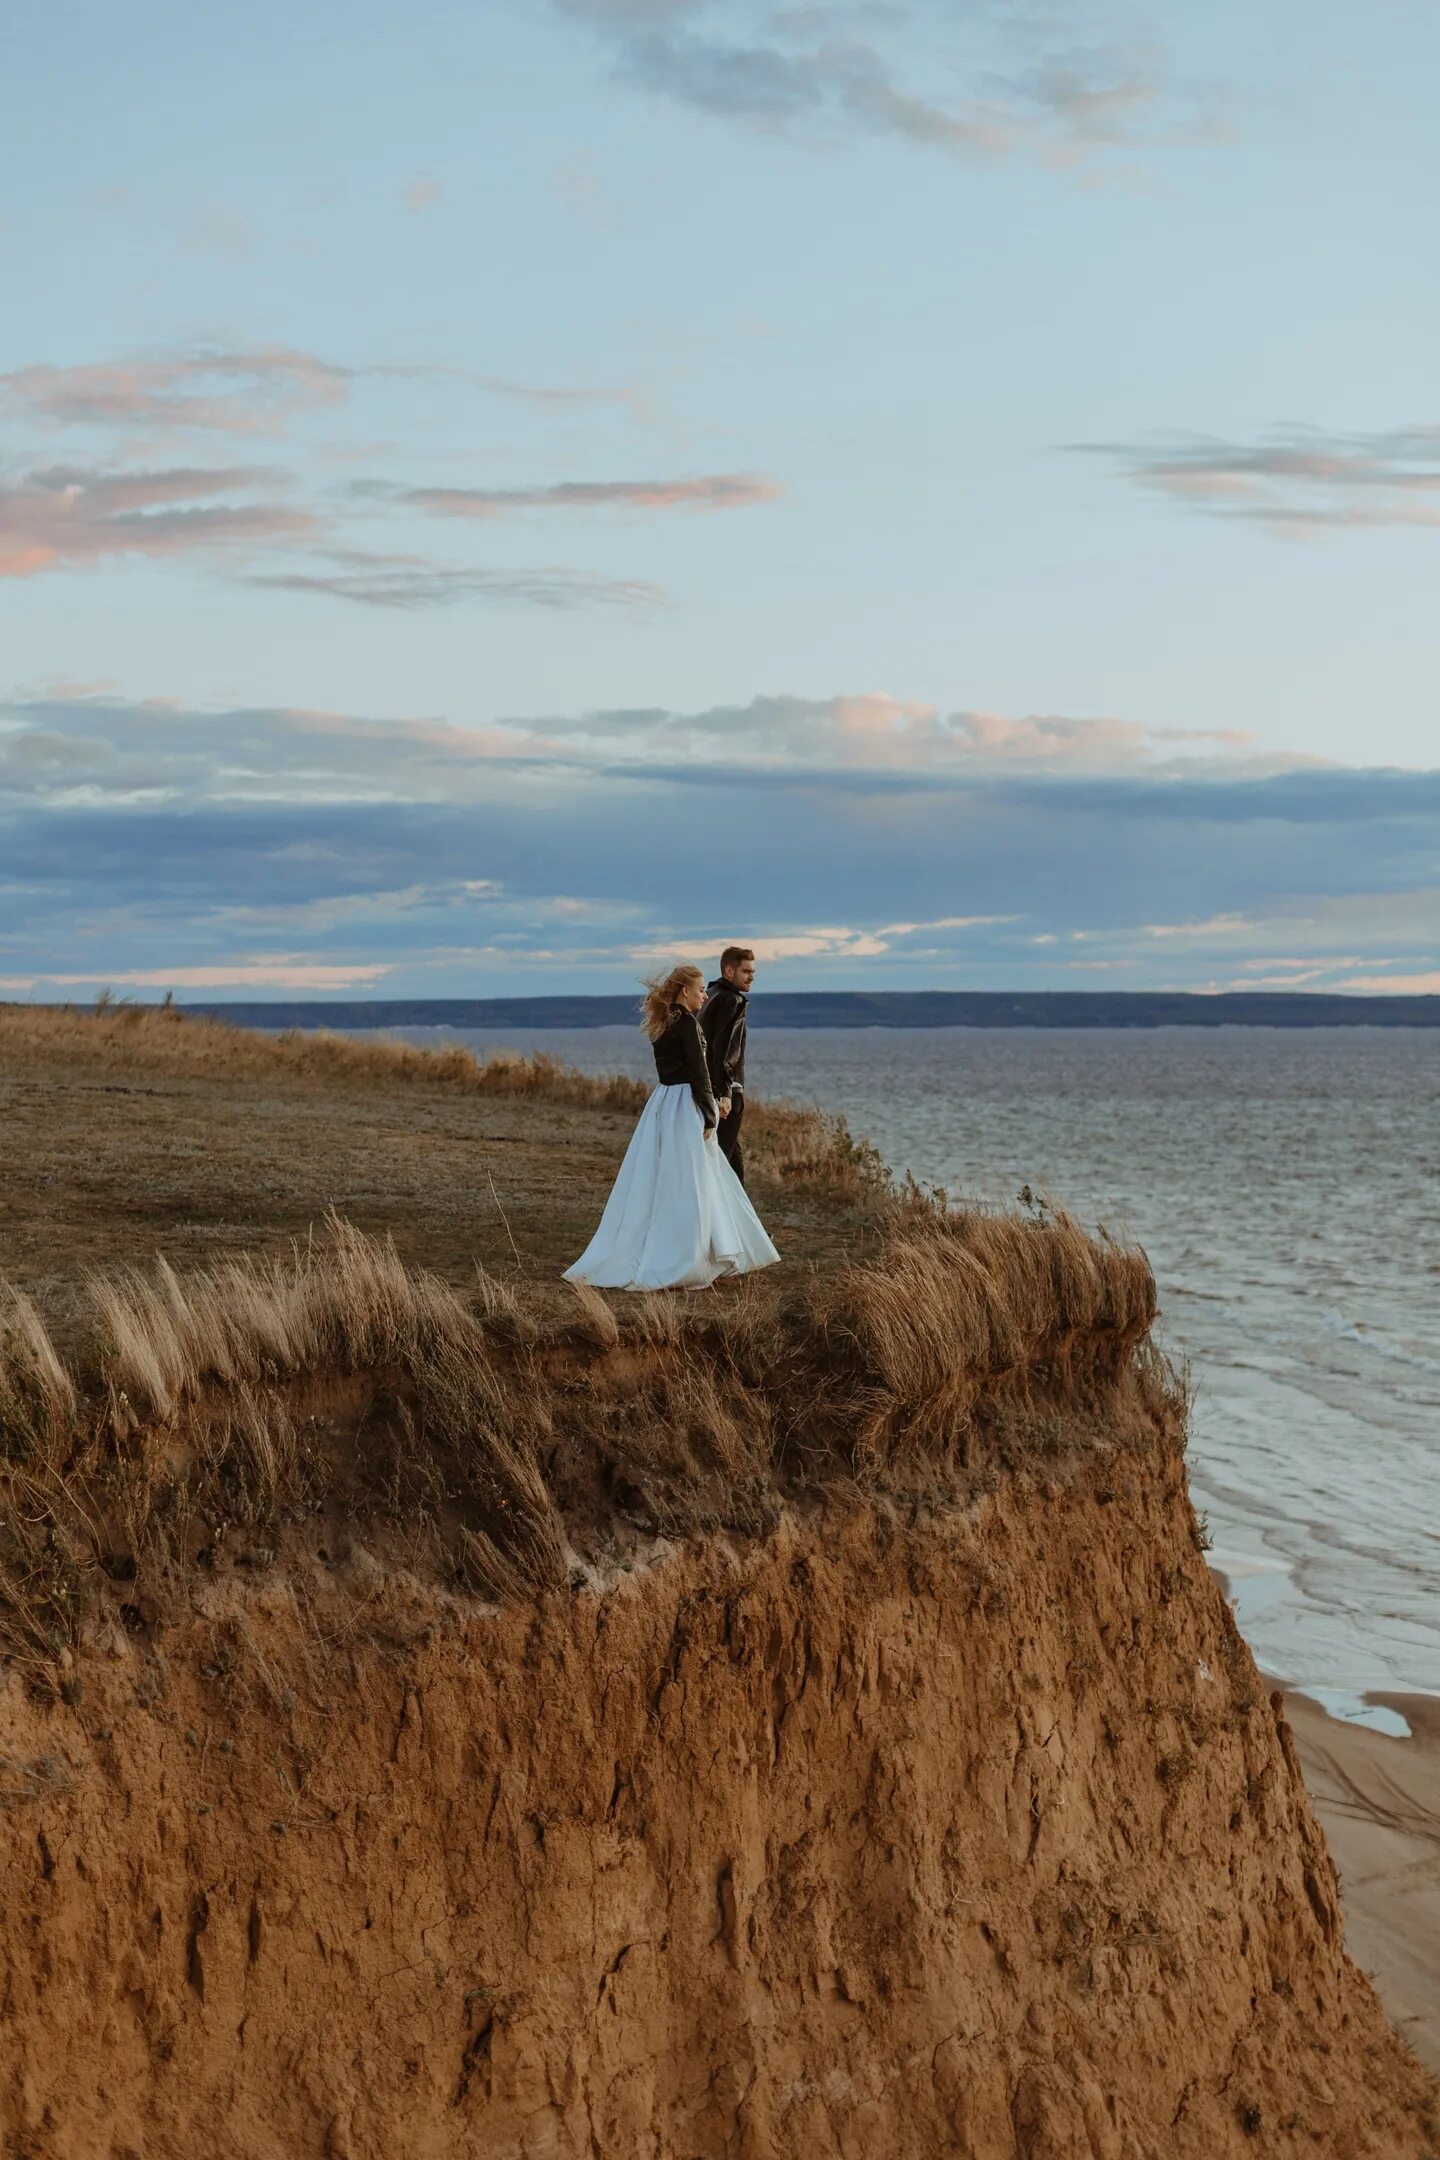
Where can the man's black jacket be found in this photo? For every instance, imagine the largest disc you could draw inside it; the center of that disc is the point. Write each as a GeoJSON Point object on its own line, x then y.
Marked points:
{"type": "Point", "coordinates": [722, 1017]}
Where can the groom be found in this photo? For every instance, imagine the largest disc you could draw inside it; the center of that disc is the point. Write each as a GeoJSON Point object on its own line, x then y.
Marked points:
{"type": "Point", "coordinates": [723, 1019]}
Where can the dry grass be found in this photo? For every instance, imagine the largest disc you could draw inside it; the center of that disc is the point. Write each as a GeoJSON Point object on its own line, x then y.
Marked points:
{"type": "Point", "coordinates": [194, 1409]}
{"type": "Point", "coordinates": [802, 1145]}
{"type": "Point", "coordinates": [954, 1306]}
{"type": "Point", "coordinates": [697, 1452]}
{"type": "Point", "coordinates": [37, 1394]}
{"type": "Point", "coordinates": [243, 1398]}
{"type": "Point", "coordinates": [162, 1036]}
{"type": "Point", "coordinates": [340, 1303]}
{"type": "Point", "coordinates": [24, 1783]}
{"type": "Point", "coordinates": [798, 1145]}
{"type": "Point", "coordinates": [46, 1559]}
{"type": "Point", "coordinates": [596, 1319]}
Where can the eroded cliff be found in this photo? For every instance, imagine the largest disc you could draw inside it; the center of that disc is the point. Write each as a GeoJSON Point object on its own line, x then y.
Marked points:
{"type": "Point", "coordinates": [811, 1731]}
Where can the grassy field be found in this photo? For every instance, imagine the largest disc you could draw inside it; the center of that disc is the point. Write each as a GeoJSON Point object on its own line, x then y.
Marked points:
{"type": "Point", "coordinates": [132, 1133]}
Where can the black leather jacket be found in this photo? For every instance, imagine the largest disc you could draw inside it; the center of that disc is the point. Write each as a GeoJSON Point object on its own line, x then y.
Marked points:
{"type": "Point", "coordinates": [680, 1057]}
{"type": "Point", "coordinates": [722, 1017]}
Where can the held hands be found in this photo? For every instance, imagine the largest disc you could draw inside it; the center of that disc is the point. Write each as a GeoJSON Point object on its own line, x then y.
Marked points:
{"type": "Point", "coordinates": [723, 1106]}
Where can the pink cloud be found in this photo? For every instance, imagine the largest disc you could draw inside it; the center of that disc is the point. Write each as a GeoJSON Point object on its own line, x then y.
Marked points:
{"type": "Point", "coordinates": [64, 517]}
{"type": "Point", "coordinates": [1424, 985]}
{"type": "Point", "coordinates": [230, 391]}
{"type": "Point", "coordinates": [1326, 963]}
{"type": "Point", "coordinates": [244, 390]}
{"type": "Point", "coordinates": [1212, 926]}
{"type": "Point", "coordinates": [460, 742]}
{"type": "Point", "coordinates": [410, 581]}
{"type": "Point", "coordinates": [824, 943]}
{"type": "Point", "coordinates": [876, 729]}
{"type": "Point", "coordinates": [1294, 979]}
{"type": "Point", "coordinates": [1297, 483]}
{"type": "Point", "coordinates": [278, 971]}
{"type": "Point", "coordinates": [712, 491]}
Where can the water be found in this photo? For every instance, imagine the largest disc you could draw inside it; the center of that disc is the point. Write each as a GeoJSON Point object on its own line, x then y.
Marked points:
{"type": "Point", "coordinates": [1284, 1183]}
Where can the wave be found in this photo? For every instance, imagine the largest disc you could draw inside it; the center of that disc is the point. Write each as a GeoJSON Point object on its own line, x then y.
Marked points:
{"type": "Point", "coordinates": [1355, 1331]}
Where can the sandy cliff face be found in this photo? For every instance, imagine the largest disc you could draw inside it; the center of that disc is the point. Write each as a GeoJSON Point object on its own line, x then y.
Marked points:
{"type": "Point", "coordinates": [886, 1834]}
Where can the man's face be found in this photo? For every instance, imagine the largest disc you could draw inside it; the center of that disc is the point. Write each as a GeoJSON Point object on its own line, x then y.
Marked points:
{"type": "Point", "coordinates": [742, 974]}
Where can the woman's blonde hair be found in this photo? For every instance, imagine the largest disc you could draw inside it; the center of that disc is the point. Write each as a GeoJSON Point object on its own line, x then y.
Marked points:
{"type": "Point", "coordinates": [662, 995]}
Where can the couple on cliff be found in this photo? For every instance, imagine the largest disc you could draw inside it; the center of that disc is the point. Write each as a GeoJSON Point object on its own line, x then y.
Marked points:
{"type": "Point", "coordinates": [678, 1214]}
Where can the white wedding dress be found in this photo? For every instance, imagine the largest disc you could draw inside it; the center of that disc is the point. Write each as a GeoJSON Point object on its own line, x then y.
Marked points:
{"type": "Point", "coordinates": [677, 1215]}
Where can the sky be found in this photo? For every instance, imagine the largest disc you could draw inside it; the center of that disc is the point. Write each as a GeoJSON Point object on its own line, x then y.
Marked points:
{"type": "Point", "coordinates": [494, 499]}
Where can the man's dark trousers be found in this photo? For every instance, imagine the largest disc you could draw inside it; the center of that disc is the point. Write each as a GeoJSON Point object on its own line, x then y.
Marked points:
{"type": "Point", "coordinates": [728, 1137]}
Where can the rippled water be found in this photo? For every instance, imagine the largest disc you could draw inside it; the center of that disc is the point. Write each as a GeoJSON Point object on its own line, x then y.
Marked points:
{"type": "Point", "coordinates": [1284, 1183]}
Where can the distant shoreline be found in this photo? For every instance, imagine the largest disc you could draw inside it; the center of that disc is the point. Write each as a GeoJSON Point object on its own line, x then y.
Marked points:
{"type": "Point", "coordinates": [866, 1009]}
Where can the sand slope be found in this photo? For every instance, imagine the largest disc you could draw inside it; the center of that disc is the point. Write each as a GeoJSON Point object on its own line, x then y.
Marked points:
{"type": "Point", "coordinates": [1379, 1802]}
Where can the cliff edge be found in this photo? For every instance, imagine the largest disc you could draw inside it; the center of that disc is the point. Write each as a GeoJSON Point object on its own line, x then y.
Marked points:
{"type": "Point", "coordinates": [439, 1721]}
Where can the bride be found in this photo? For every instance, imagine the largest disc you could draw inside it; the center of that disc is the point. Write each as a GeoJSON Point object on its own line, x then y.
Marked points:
{"type": "Point", "coordinates": [677, 1215]}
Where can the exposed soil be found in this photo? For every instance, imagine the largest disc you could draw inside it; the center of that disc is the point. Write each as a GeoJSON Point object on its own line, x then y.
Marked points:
{"type": "Point", "coordinates": [972, 1838]}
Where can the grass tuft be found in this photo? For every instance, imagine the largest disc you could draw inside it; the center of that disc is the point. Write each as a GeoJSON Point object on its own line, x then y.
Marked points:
{"type": "Point", "coordinates": [595, 1320]}
{"type": "Point", "coordinates": [957, 1305]}
{"type": "Point", "coordinates": [37, 1394]}
{"type": "Point", "coordinates": [196, 1420]}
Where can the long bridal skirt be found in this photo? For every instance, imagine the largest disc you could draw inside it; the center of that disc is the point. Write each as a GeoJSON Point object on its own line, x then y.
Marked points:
{"type": "Point", "coordinates": [677, 1215]}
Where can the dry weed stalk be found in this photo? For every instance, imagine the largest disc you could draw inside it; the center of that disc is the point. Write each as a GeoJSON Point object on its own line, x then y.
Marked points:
{"type": "Point", "coordinates": [37, 1394]}
{"type": "Point", "coordinates": [656, 1318]}
{"type": "Point", "coordinates": [22, 1783]}
{"type": "Point", "coordinates": [500, 1308]}
{"type": "Point", "coordinates": [684, 1448]}
{"type": "Point", "coordinates": [595, 1319]}
{"type": "Point", "coordinates": [43, 1565]}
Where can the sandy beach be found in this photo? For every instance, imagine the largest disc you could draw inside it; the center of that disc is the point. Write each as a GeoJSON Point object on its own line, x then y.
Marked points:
{"type": "Point", "coordinates": [1379, 1801]}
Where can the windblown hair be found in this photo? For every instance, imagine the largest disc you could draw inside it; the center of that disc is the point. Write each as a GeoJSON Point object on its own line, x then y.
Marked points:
{"type": "Point", "coordinates": [662, 995]}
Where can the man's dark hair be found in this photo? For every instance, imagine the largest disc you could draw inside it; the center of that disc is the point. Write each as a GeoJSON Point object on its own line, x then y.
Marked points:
{"type": "Point", "coordinates": [733, 955]}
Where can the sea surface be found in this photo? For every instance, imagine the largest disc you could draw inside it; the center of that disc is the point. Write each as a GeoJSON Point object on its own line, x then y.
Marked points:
{"type": "Point", "coordinates": [1286, 1186]}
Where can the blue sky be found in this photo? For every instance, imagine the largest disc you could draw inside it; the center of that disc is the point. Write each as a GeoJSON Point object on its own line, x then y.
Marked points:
{"type": "Point", "coordinates": [489, 498]}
